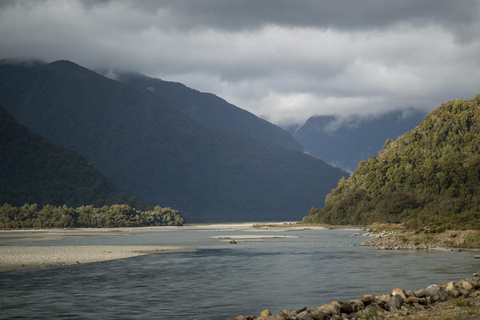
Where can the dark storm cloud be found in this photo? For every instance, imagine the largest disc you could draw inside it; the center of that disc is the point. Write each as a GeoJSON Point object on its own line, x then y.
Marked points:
{"type": "Point", "coordinates": [233, 15]}
{"type": "Point", "coordinates": [283, 59]}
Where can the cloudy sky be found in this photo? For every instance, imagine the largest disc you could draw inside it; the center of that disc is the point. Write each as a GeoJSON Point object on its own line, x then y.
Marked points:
{"type": "Point", "coordinates": [283, 60]}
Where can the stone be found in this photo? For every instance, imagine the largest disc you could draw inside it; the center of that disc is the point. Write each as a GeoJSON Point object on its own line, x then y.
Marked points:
{"type": "Point", "coordinates": [412, 300]}
{"type": "Point", "coordinates": [420, 293]}
{"type": "Point", "coordinates": [357, 305]}
{"type": "Point", "coordinates": [466, 285]}
{"type": "Point", "coordinates": [304, 316]}
{"type": "Point", "coordinates": [442, 295]}
{"type": "Point", "coordinates": [450, 286]}
{"type": "Point", "coordinates": [410, 293]}
{"type": "Point", "coordinates": [395, 302]}
{"type": "Point", "coordinates": [399, 292]}
{"type": "Point", "coordinates": [300, 310]}
{"type": "Point", "coordinates": [330, 309]}
{"type": "Point", "coordinates": [366, 299]}
{"type": "Point", "coordinates": [345, 307]}
{"type": "Point", "coordinates": [265, 313]}
{"type": "Point", "coordinates": [318, 315]}
{"type": "Point", "coordinates": [432, 290]}
{"type": "Point", "coordinates": [383, 297]}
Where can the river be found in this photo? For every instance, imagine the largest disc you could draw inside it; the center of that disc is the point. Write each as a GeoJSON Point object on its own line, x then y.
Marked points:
{"type": "Point", "coordinates": [222, 280]}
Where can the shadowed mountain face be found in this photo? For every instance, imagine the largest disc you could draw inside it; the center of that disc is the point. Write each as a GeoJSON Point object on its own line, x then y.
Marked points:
{"type": "Point", "coordinates": [345, 143]}
{"type": "Point", "coordinates": [37, 171]}
{"type": "Point", "coordinates": [157, 152]}
{"type": "Point", "coordinates": [210, 109]}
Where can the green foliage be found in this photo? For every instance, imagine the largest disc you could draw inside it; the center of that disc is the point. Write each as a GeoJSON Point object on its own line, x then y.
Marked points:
{"type": "Point", "coordinates": [430, 176]}
{"type": "Point", "coordinates": [32, 216]}
{"type": "Point", "coordinates": [34, 170]}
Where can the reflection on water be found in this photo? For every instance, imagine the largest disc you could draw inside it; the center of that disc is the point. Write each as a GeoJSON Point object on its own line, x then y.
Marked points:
{"type": "Point", "coordinates": [220, 280]}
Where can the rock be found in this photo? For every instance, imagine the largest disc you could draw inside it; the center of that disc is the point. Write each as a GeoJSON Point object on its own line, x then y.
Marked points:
{"type": "Point", "coordinates": [399, 292]}
{"type": "Point", "coordinates": [366, 299]}
{"type": "Point", "coordinates": [442, 295]}
{"type": "Point", "coordinates": [330, 309]}
{"type": "Point", "coordinates": [233, 241]}
{"type": "Point", "coordinates": [345, 307]}
{"type": "Point", "coordinates": [265, 313]}
{"type": "Point", "coordinates": [357, 305]}
{"type": "Point", "coordinates": [412, 300]}
{"type": "Point", "coordinates": [395, 302]}
{"type": "Point", "coordinates": [304, 316]}
{"type": "Point", "coordinates": [410, 293]}
{"type": "Point", "coordinates": [300, 310]}
{"type": "Point", "coordinates": [477, 256]}
{"type": "Point", "coordinates": [382, 297]}
{"type": "Point", "coordinates": [420, 293]}
{"type": "Point", "coordinates": [432, 290]}
{"type": "Point", "coordinates": [466, 285]}
{"type": "Point", "coordinates": [318, 315]}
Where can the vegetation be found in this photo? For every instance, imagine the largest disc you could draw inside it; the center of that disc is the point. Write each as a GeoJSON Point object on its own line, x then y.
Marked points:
{"type": "Point", "coordinates": [48, 216]}
{"type": "Point", "coordinates": [34, 170]}
{"type": "Point", "coordinates": [430, 176]}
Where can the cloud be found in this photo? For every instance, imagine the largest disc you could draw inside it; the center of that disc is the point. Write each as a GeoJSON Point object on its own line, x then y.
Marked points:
{"type": "Point", "coordinates": [283, 60]}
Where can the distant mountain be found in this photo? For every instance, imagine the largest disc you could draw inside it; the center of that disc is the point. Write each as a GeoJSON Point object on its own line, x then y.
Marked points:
{"type": "Point", "coordinates": [208, 108]}
{"type": "Point", "coordinates": [156, 151]}
{"type": "Point", "coordinates": [429, 176]}
{"type": "Point", "coordinates": [34, 170]}
{"type": "Point", "coordinates": [345, 143]}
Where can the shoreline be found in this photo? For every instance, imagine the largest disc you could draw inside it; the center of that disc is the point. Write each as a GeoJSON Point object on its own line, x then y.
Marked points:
{"type": "Point", "coordinates": [453, 300]}
{"type": "Point", "coordinates": [17, 254]}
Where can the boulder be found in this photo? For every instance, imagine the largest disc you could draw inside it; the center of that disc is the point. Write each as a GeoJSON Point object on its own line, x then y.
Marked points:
{"type": "Point", "coordinates": [432, 290]}
{"type": "Point", "coordinates": [399, 292]}
{"type": "Point", "coordinates": [265, 313]}
{"type": "Point", "coordinates": [413, 300]}
{"type": "Point", "coordinates": [345, 307]}
{"type": "Point", "coordinates": [366, 299]}
{"type": "Point", "coordinates": [330, 309]}
{"type": "Point", "coordinates": [304, 316]}
{"type": "Point", "coordinates": [420, 293]}
{"type": "Point", "coordinates": [466, 285]}
{"type": "Point", "coordinates": [395, 302]}
{"type": "Point", "coordinates": [357, 304]}
{"type": "Point", "coordinates": [319, 315]}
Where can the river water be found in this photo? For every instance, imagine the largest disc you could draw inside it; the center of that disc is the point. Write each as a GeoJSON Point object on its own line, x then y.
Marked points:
{"type": "Point", "coordinates": [221, 280]}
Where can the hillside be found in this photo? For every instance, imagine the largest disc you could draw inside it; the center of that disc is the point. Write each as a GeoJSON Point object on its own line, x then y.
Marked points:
{"type": "Point", "coordinates": [34, 170]}
{"type": "Point", "coordinates": [157, 152]}
{"type": "Point", "coordinates": [345, 143]}
{"type": "Point", "coordinates": [210, 109]}
{"type": "Point", "coordinates": [430, 176]}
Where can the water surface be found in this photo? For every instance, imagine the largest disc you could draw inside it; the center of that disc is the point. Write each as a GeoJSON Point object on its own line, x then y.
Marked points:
{"type": "Point", "coordinates": [220, 281]}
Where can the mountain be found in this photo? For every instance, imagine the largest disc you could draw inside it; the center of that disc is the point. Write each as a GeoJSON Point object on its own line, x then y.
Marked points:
{"type": "Point", "coordinates": [344, 143]}
{"type": "Point", "coordinates": [429, 176]}
{"type": "Point", "coordinates": [156, 151]}
{"type": "Point", "coordinates": [208, 108]}
{"type": "Point", "coordinates": [37, 171]}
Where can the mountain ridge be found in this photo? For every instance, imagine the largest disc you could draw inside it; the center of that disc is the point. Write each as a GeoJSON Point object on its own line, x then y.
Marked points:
{"type": "Point", "coordinates": [157, 152]}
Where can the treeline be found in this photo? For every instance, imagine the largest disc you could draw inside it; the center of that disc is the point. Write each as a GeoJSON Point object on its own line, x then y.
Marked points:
{"type": "Point", "coordinates": [48, 216]}
{"type": "Point", "coordinates": [430, 176]}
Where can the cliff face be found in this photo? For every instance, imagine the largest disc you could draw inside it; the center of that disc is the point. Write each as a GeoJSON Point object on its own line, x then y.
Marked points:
{"type": "Point", "coordinates": [428, 176]}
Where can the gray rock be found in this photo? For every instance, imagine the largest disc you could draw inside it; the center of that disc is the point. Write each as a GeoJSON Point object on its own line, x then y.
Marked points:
{"type": "Point", "coordinates": [432, 290]}
{"type": "Point", "coordinates": [395, 302]}
{"type": "Point", "coordinates": [304, 316]}
{"type": "Point", "coordinates": [420, 293]}
{"type": "Point", "coordinates": [357, 305]}
{"type": "Point", "coordinates": [318, 315]}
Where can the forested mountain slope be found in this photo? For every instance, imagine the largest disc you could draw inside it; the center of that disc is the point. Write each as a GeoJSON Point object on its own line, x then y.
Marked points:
{"type": "Point", "coordinates": [344, 143]}
{"type": "Point", "coordinates": [210, 109]}
{"type": "Point", "coordinates": [429, 176]}
{"type": "Point", "coordinates": [34, 170]}
{"type": "Point", "coordinates": [157, 152]}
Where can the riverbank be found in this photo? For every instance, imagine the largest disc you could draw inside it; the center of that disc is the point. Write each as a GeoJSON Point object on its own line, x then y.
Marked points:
{"type": "Point", "coordinates": [391, 237]}
{"type": "Point", "coordinates": [453, 300]}
{"type": "Point", "coordinates": [16, 256]}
